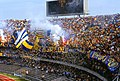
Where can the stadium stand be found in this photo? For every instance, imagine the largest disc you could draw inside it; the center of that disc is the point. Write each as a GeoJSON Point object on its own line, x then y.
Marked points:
{"type": "Point", "coordinates": [93, 33]}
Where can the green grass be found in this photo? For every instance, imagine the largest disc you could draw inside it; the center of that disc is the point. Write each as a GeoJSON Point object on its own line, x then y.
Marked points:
{"type": "Point", "coordinates": [13, 77]}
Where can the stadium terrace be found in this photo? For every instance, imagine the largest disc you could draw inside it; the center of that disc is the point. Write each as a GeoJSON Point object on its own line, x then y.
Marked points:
{"type": "Point", "coordinates": [92, 42]}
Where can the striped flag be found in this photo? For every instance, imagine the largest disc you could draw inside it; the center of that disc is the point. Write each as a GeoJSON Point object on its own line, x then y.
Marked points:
{"type": "Point", "coordinates": [26, 45]}
{"type": "Point", "coordinates": [23, 35]}
{"type": "Point", "coordinates": [14, 37]}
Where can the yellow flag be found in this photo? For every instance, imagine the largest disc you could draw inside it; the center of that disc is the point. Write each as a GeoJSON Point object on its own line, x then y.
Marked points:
{"type": "Point", "coordinates": [36, 46]}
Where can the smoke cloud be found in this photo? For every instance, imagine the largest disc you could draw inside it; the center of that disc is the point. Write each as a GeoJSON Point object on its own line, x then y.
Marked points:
{"type": "Point", "coordinates": [56, 30]}
{"type": "Point", "coordinates": [2, 24]}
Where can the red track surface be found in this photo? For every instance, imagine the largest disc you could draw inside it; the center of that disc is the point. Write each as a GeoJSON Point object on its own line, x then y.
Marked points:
{"type": "Point", "coordinates": [5, 78]}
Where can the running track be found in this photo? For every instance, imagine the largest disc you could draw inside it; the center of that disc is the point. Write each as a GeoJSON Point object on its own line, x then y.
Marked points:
{"type": "Point", "coordinates": [5, 78]}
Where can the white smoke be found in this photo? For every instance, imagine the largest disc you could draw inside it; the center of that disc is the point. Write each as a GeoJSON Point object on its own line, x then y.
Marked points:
{"type": "Point", "coordinates": [56, 30]}
{"type": "Point", "coordinates": [2, 24]}
{"type": "Point", "coordinates": [1, 34]}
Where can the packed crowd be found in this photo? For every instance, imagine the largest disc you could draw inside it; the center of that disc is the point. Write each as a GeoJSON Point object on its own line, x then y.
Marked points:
{"type": "Point", "coordinates": [100, 33]}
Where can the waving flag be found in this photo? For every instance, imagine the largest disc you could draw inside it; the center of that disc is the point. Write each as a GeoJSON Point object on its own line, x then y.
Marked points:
{"type": "Point", "coordinates": [14, 37]}
{"type": "Point", "coordinates": [26, 45]}
{"type": "Point", "coordinates": [23, 35]}
{"type": "Point", "coordinates": [20, 38]}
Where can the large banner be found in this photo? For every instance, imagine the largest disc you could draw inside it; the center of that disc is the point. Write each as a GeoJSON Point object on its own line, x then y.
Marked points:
{"type": "Point", "coordinates": [51, 49]}
{"type": "Point", "coordinates": [109, 61]}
